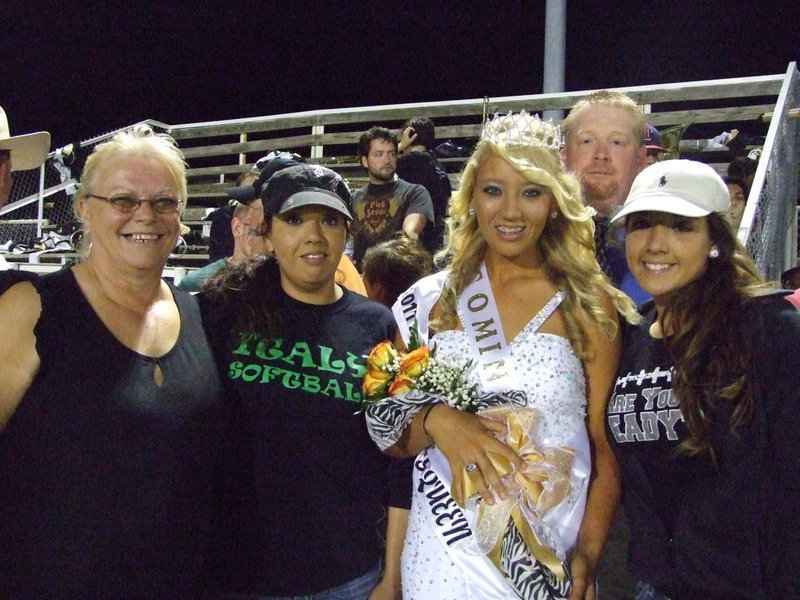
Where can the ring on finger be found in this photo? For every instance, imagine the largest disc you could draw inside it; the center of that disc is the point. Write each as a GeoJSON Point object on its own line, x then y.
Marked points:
{"type": "Point", "coordinates": [471, 467]}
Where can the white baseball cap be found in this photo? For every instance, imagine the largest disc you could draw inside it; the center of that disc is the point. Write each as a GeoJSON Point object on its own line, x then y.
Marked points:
{"type": "Point", "coordinates": [682, 187]}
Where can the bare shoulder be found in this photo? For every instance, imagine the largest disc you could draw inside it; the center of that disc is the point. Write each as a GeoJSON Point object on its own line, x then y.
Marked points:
{"type": "Point", "coordinates": [20, 307]}
{"type": "Point", "coordinates": [601, 362]}
{"type": "Point", "coordinates": [603, 352]}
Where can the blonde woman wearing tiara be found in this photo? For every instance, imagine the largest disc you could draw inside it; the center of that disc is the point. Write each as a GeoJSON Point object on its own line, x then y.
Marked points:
{"type": "Point", "coordinates": [525, 301]}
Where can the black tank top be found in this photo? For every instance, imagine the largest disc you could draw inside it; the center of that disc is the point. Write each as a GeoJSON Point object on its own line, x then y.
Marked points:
{"type": "Point", "coordinates": [105, 477]}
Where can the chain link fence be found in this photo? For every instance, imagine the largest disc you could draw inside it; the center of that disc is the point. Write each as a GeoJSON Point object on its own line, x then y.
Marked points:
{"type": "Point", "coordinates": [39, 214]}
{"type": "Point", "coordinates": [771, 237]}
{"type": "Point", "coordinates": [20, 223]}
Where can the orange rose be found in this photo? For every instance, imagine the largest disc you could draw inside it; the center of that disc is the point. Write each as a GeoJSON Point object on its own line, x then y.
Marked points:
{"type": "Point", "coordinates": [375, 382]}
{"type": "Point", "coordinates": [414, 363]}
{"type": "Point", "coordinates": [402, 383]}
{"type": "Point", "coordinates": [382, 355]}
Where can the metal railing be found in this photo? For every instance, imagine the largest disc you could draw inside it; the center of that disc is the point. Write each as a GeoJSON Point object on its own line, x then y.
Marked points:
{"type": "Point", "coordinates": [769, 223]}
{"type": "Point", "coordinates": [217, 152]}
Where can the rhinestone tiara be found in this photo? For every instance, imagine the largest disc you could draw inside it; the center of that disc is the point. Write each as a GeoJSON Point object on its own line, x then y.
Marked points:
{"type": "Point", "coordinates": [522, 129]}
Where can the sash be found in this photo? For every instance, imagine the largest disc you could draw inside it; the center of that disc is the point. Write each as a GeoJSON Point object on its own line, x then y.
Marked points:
{"type": "Point", "coordinates": [454, 528]}
{"type": "Point", "coordinates": [413, 307]}
{"type": "Point", "coordinates": [481, 320]}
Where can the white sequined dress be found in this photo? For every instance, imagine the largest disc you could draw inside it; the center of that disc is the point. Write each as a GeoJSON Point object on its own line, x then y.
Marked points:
{"type": "Point", "coordinates": [552, 377]}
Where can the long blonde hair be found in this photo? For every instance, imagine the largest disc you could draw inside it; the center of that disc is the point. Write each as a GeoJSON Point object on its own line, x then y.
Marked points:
{"type": "Point", "coordinates": [566, 244]}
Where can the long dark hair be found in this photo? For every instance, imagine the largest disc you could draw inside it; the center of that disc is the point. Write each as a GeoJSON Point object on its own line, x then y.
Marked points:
{"type": "Point", "coordinates": [248, 291]}
{"type": "Point", "coordinates": [710, 344]}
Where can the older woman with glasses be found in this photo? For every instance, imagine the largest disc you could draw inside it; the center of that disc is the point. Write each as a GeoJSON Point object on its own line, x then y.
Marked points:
{"type": "Point", "coordinates": [110, 412]}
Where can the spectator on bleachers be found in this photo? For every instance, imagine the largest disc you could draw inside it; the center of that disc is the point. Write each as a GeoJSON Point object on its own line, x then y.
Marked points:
{"type": "Point", "coordinates": [738, 191]}
{"type": "Point", "coordinates": [652, 144]}
{"type": "Point", "coordinates": [417, 164]}
{"type": "Point", "coordinates": [221, 242]}
{"type": "Point", "coordinates": [386, 204]}
{"type": "Point", "coordinates": [18, 153]}
{"type": "Point", "coordinates": [248, 241]}
{"type": "Point", "coordinates": [604, 146]}
{"type": "Point", "coordinates": [790, 278]}
{"type": "Point", "coordinates": [391, 267]}
{"type": "Point", "coordinates": [247, 190]}
{"type": "Point", "coordinates": [744, 168]}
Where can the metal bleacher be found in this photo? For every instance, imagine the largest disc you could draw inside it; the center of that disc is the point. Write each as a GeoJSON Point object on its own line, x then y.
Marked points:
{"type": "Point", "coordinates": [217, 152]}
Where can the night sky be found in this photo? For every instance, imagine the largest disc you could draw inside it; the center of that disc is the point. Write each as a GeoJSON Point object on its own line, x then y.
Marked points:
{"type": "Point", "coordinates": [82, 69]}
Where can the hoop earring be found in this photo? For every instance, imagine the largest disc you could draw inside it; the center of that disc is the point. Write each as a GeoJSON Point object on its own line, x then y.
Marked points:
{"type": "Point", "coordinates": [472, 212]}
{"type": "Point", "coordinates": [554, 215]}
{"type": "Point", "coordinates": [713, 253]}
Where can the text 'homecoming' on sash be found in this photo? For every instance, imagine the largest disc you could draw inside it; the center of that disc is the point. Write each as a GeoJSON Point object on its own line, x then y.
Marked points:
{"type": "Point", "coordinates": [481, 320]}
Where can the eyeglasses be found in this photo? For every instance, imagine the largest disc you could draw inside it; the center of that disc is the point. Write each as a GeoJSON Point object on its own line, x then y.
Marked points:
{"type": "Point", "coordinates": [260, 231]}
{"type": "Point", "coordinates": [128, 203]}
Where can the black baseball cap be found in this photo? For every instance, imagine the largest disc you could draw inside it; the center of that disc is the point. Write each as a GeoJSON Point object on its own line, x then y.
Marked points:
{"type": "Point", "coordinates": [269, 165]}
{"type": "Point", "coordinates": [305, 185]}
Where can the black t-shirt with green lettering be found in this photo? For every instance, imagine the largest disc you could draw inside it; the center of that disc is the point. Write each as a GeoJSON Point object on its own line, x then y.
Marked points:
{"type": "Point", "coordinates": [305, 484]}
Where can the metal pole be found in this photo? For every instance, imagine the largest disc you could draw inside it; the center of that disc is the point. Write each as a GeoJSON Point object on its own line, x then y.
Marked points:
{"type": "Point", "coordinates": [40, 211]}
{"type": "Point", "coordinates": [555, 36]}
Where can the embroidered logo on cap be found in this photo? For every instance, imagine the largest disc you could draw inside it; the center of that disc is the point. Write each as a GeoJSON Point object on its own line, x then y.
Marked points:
{"type": "Point", "coordinates": [663, 181]}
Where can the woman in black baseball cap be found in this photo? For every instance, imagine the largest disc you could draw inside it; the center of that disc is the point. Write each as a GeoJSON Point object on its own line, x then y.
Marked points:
{"type": "Point", "coordinates": [304, 482]}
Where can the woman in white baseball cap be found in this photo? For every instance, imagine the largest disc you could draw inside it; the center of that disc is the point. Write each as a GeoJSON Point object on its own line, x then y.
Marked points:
{"type": "Point", "coordinates": [705, 412]}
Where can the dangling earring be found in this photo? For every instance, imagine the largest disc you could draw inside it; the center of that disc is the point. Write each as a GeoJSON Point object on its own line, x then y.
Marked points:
{"type": "Point", "coordinates": [554, 215]}
{"type": "Point", "coordinates": [472, 212]}
{"type": "Point", "coordinates": [713, 253]}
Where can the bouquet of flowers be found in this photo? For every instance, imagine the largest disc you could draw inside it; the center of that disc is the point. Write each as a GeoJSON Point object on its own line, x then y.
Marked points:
{"type": "Point", "coordinates": [389, 373]}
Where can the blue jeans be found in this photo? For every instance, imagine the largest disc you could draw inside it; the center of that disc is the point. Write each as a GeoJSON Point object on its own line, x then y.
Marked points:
{"type": "Point", "coordinates": [645, 591]}
{"type": "Point", "coordinates": [357, 589]}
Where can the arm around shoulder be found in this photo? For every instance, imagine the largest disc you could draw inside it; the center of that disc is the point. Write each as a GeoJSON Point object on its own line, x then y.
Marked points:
{"type": "Point", "coordinates": [20, 308]}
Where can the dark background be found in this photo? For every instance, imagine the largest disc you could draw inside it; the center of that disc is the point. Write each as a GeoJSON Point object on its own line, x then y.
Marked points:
{"type": "Point", "coordinates": [81, 69]}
